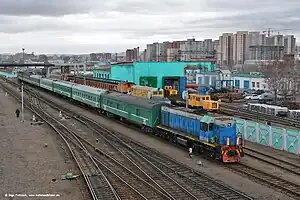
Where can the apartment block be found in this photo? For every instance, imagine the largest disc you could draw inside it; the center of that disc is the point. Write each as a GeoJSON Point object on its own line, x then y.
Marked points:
{"type": "Point", "coordinates": [225, 49]}
{"type": "Point", "coordinates": [266, 52]}
{"type": "Point", "coordinates": [275, 40]}
{"type": "Point", "coordinates": [173, 51]}
{"type": "Point", "coordinates": [256, 38]}
{"type": "Point", "coordinates": [240, 47]}
{"type": "Point", "coordinates": [132, 54]}
{"type": "Point", "coordinates": [289, 42]}
{"type": "Point", "coordinates": [100, 56]}
{"type": "Point", "coordinates": [192, 50]}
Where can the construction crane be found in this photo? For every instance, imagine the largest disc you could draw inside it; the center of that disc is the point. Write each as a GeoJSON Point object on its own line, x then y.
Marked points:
{"type": "Point", "coordinates": [270, 30]}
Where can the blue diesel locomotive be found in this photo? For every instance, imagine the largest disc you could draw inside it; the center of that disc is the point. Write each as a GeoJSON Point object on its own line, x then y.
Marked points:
{"type": "Point", "coordinates": [215, 137]}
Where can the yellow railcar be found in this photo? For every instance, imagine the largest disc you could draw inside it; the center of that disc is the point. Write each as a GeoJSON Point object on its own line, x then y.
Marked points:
{"type": "Point", "coordinates": [169, 91]}
{"type": "Point", "coordinates": [146, 92]}
{"type": "Point", "coordinates": [204, 101]}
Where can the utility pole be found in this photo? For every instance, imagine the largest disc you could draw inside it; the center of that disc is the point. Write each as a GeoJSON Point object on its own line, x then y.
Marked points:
{"type": "Point", "coordinates": [84, 70]}
{"type": "Point", "coordinates": [22, 91]}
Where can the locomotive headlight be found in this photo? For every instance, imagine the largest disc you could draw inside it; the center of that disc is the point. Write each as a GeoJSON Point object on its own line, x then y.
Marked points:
{"type": "Point", "coordinates": [228, 141]}
{"type": "Point", "coordinates": [238, 141]}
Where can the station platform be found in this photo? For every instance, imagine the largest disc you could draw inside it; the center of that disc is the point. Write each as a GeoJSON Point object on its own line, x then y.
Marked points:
{"type": "Point", "coordinates": [8, 75]}
{"type": "Point", "coordinates": [32, 158]}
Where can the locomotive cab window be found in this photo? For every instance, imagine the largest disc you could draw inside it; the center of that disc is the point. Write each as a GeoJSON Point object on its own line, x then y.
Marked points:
{"type": "Point", "coordinates": [211, 126]}
{"type": "Point", "coordinates": [203, 126]}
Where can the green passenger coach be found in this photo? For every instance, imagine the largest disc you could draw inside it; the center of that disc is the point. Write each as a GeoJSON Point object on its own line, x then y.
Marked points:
{"type": "Point", "coordinates": [63, 88]}
{"type": "Point", "coordinates": [87, 95]}
{"type": "Point", "coordinates": [132, 108]}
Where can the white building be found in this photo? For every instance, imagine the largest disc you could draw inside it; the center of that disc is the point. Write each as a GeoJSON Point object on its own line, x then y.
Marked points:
{"type": "Point", "coordinates": [220, 78]}
{"type": "Point", "coordinates": [249, 81]}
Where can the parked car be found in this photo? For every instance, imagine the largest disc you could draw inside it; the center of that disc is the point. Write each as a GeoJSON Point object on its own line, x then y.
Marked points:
{"type": "Point", "coordinates": [253, 97]}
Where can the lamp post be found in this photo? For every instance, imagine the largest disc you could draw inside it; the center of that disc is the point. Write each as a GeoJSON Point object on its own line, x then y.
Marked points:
{"type": "Point", "coordinates": [22, 102]}
{"type": "Point", "coordinates": [23, 55]}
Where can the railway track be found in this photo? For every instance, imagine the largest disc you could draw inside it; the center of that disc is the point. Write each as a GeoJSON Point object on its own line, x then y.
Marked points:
{"type": "Point", "coordinates": [249, 115]}
{"type": "Point", "coordinates": [147, 169]}
{"type": "Point", "coordinates": [285, 165]}
{"type": "Point", "coordinates": [203, 187]}
{"type": "Point", "coordinates": [175, 174]}
{"type": "Point", "coordinates": [212, 188]}
{"type": "Point", "coordinates": [285, 186]}
{"type": "Point", "coordinates": [82, 159]}
{"type": "Point", "coordinates": [93, 168]}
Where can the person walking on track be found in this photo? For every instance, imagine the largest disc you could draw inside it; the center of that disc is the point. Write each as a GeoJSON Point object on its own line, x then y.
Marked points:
{"type": "Point", "coordinates": [17, 113]}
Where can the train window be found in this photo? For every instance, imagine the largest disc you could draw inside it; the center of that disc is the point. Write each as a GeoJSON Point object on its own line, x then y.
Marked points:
{"type": "Point", "coordinates": [207, 98]}
{"type": "Point", "coordinates": [203, 98]}
{"type": "Point", "coordinates": [204, 126]}
{"type": "Point", "coordinates": [138, 112]}
{"type": "Point", "coordinates": [211, 126]}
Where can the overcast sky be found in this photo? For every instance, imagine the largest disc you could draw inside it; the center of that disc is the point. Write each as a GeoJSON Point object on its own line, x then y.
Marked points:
{"type": "Point", "coordinates": [83, 26]}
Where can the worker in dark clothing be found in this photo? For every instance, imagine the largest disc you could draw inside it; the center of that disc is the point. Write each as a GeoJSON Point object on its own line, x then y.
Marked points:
{"type": "Point", "coordinates": [18, 113]}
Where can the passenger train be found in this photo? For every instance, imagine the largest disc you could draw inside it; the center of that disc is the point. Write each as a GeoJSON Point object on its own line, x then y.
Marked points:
{"type": "Point", "coordinates": [215, 137]}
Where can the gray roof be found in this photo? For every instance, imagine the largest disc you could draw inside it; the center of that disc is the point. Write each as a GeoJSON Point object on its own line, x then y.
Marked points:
{"type": "Point", "coordinates": [89, 89]}
{"type": "Point", "coordinates": [141, 102]}
{"type": "Point", "coordinates": [64, 83]}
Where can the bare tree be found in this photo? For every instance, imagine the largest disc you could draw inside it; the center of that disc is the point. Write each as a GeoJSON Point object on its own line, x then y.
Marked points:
{"type": "Point", "coordinates": [274, 79]}
{"type": "Point", "coordinates": [287, 80]}
{"type": "Point", "coordinates": [282, 77]}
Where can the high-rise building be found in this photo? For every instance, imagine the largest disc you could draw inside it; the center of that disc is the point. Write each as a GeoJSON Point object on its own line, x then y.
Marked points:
{"type": "Point", "coordinates": [256, 38]}
{"type": "Point", "coordinates": [151, 52]}
{"type": "Point", "coordinates": [289, 44]}
{"type": "Point", "coordinates": [132, 54]}
{"type": "Point", "coordinates": [240, 47]}
{"type": "Point", "coordinates": [173, 51]}
{"type": "Point", "coordinates": [275, 40]}
{"type": "Point", "coordinates": [265, 52]}
{"type": "Point", "coordinates": [225, 49]}
{"type": "Point", "coordinates": [192, 50]}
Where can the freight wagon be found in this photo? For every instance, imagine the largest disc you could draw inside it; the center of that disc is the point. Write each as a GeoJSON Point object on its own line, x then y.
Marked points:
{"type": "Point", "coordinates": [106, 84]}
